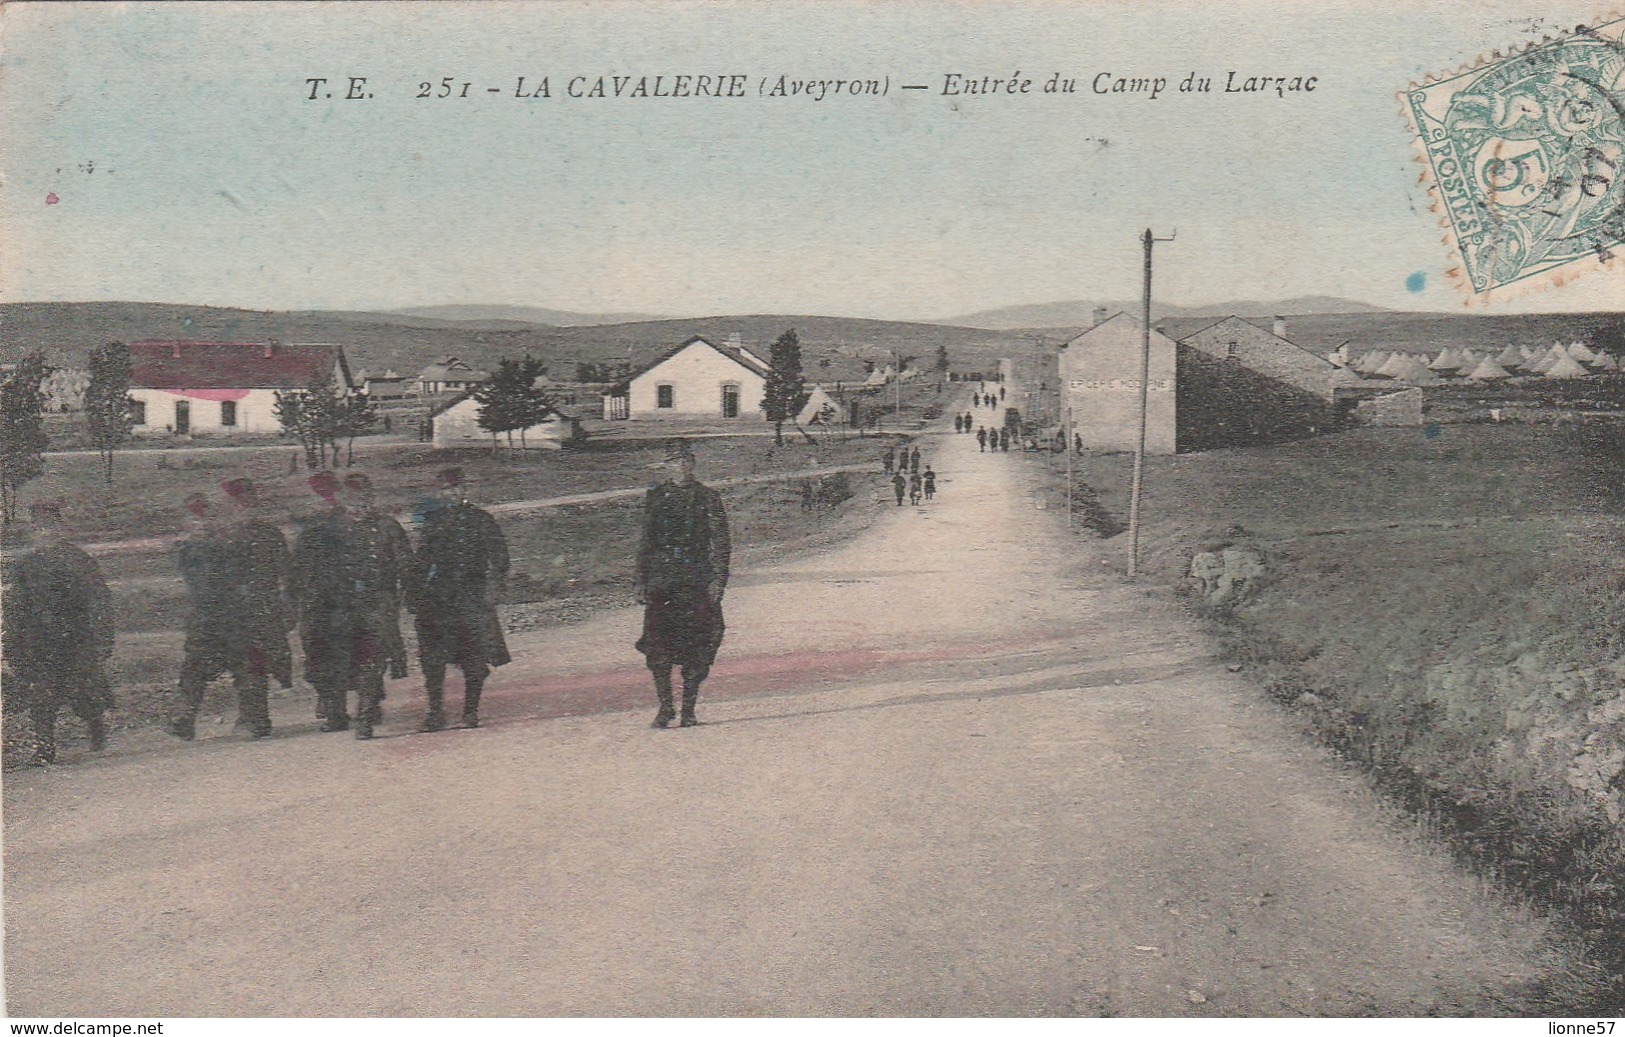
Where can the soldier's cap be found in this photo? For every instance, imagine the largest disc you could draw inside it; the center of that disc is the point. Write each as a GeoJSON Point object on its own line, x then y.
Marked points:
{"type": "Point", "coordinates": [450, 477]}
{"type": "Point", "coordinates": [358, 482]}
{"type": "Point", "coordinates": [240, 488]}
{"type": "Point", "coordinates": [196, 503]}
{"type": "Point", "coordinates": [324, 484]}
{"type": "Point", "coordinates": [677, 448]}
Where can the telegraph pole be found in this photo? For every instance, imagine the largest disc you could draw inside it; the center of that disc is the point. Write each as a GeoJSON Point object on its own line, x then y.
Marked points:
{"type": "Point", "coordinates": [1145, 374]}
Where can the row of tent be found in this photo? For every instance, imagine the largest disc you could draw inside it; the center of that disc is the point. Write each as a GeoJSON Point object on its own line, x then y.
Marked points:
{"type": "Point", "coordinates": [1575, 360]}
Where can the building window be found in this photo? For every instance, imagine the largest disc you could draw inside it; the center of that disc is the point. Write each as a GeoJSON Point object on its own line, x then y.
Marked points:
{"type": "Point", "coordinates": [138, 412]}
{"type": "Point", "coordinates": [665, 396]}
{"type": "Point", "coordinates": [228, 413]}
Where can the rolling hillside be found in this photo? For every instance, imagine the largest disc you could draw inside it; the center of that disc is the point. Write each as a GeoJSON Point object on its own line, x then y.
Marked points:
{"type": "Point", "coordinates": [1078, 312]}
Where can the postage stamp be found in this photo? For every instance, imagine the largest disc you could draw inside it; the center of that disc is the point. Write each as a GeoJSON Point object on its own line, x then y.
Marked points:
{"type": "Point", "coordinates": [1524, 155]}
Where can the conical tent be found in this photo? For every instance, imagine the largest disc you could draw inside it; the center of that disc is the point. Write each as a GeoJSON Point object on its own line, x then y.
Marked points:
{"type": "Point", "coordinates": [1581, 352]}
{"type": "Point", "coordinates": [1412, 369]}
{"type": "Point", "coordinates": [1604, 362]}
{"type": "Point", "coordinates": [1447, 360]}
{"type": "Point", "coordinates": [1488, 371]}
{"type": "Point", "coordinates": [1470, 358]}
{"type": "Point", "coordinates": [1369, 361]}
{"type": "Point", "coordinates": [1509, 357]}
{"type": "Point", "coordinates": [1568, 367]}
{"type": "Point", "coordinates": [1392, 367]}
{"type": "Point", "coordinates": [1339, 357]}
{"type": "Point", "coordinates": [1540, 364]}
{"type": "Point", "coordinates": [1527, 352]}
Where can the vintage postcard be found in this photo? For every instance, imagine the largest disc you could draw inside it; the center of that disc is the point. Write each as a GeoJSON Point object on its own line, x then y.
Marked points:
{"type": "Point", "coordinates": [913, 509]}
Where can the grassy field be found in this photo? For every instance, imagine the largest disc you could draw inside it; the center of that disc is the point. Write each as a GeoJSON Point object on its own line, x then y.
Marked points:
{"type": "Point", "coordinates": [1443, 605]}
{"type": "Point", "coordinates": [566, 562]}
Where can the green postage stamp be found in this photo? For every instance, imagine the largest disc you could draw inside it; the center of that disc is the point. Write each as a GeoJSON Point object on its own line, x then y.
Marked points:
{"type": "Point", "coordinates": [1526, 160]}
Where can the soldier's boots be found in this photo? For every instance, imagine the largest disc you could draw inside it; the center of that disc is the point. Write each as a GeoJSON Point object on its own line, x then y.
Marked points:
{"type": "Point", "coordinates": [471, 704]}
{"type": "Point", "coordinates": [691, 697]}
{"type": "Point", "coordinates": [435, 718]}
{"type": "Point", "coordinates": [666, 713]}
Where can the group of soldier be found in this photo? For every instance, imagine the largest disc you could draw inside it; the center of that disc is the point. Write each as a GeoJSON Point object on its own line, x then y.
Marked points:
{"type": "Point", "coordinates": [342, 586]}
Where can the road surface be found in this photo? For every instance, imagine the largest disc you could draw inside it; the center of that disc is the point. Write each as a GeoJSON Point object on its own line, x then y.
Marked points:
{"type": "Point", "coordinates": [942, 772]}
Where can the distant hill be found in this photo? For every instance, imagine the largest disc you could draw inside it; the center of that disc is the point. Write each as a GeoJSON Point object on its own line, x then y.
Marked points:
{"type": "Point", "coordinates": [521, 314]}
{"type": "Point", "coordinates": [1079, 314]}
{"type": "Point", "coordinates": [832, 347]}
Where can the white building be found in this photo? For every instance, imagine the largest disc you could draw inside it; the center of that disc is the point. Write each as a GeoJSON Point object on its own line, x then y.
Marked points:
{"type": "Point", "coordinates": [699, 380]}
{"type": "Point", "coordinates": [456, 424]}
{"type": "Point", "coordinates": [1100, 382]}
{"type": "Point", "coordinates": [224, 387]}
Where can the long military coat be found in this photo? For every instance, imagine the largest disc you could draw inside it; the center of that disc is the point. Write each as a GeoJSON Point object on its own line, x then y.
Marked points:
{"type": "Point", "coordinates": [58, 628]}
{"type": "Point", "coordinates": [461, 556]}
{"type": "Point", "coordinates": [685, 547]}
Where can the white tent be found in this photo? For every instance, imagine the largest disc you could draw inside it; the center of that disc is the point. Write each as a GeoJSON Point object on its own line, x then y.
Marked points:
{"type": "Point", "coordinates": [1604, 362]}
{"type": "Point", "coordinates": [1488, 371]}
{"type": "Point", "coordinates": [1411, 369]}
{"type": "Point", "coordinates": [820, 409]}
{"type": "Point", "coordinates": [1370, 361]}
{"type": "Point", "coordinates": [1581, 352]}
{"type": "Point", "coordinates": [1339, 357]}
{"type": "Point", "coordinates": [1447, 360]}
{"type": "Point", "coordinates": [1391, 367]}
{"type": "Point", "coordinates": [1568, 367]}
{"type": "Point", "coordinates": [1509, 357]}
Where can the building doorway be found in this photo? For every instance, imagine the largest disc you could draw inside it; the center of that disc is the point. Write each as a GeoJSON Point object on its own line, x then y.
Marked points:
{"type": "Point", "coordinates": [183, 417]}
{"type": "Point", "coordinates": [730, 401]}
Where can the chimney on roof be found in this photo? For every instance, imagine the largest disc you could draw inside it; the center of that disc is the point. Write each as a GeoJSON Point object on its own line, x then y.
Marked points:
{"type": "Point", "coordinates": [1279, 327]}
{"type": "Point", "coordinates": [1099, 315]}
{"type": "Point", "coordinates": [735, 339]}
{"type": "Point", "coordinates": [269, 346]}
{"type": "Point", "coordinates": [175, 350]}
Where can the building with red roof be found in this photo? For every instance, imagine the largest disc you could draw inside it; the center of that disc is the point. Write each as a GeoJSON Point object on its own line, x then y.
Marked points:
{"type": "Point", "coordinates": [225, 387]}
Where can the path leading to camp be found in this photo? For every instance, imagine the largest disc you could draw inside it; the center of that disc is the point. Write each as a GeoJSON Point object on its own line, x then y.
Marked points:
{"type": "Point", "coordinates": [942, 772]}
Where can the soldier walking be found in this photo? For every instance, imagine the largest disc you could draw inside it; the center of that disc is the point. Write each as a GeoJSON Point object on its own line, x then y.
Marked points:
{"type": "Point", "coordinates": [914, 461]}
{"type": "Point", "coordinates": [395, 566]}
{"type": "Point", "coordinates": [930, 481]}
{"type": "Point", "coordinates": [1004, 439]}
{"type": "Point", "coordinates": [458, 575]}
{"type": "Point", "coordinates": [238, 613]}
{"type": "Point", "coordinates": [914, 486]}
{"type": "Point", "coordinates": [899, 486]}
{"type": "Point", "coordinates": [888, 459]}
{"type": "Point", "coordinates": [981, 438]}
{"type": "Point", "coordinates": [58, 633]}
{"type": "Point", "coordinates": [682, 572]}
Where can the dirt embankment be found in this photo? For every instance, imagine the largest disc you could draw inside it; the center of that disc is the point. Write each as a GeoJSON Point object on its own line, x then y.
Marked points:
{"type": "Point", "coordinates": [1445, 610]}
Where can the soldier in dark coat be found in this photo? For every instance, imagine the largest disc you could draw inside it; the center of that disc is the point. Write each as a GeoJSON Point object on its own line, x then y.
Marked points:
{"type": "Point", "coordinates": [981, 438]}
{"type": "Point", "coordinates": [458, 575]}
{"type": "Point", "coordinates": [58, 633]}
{"type": "Point", "coordinates": [899, 486]}
{"type": "Point", "coordinates": [344, 573]}
{"type": "Point", "coordinates": [238, 615]}
{"type": "Point", "coordinates": [682, 571]}
{"type": "Point", "coordinates": [396, 575]}
{"type": "Point", "coordinates": [914, 461]}
{"type": "Point", "coordinates": [930, 480]}
{"type": "Point", "coordinates": [888, 459]}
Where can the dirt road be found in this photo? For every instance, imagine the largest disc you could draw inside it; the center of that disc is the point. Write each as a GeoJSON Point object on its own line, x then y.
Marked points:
{"type": "Point", "coordinates": [942, 773]}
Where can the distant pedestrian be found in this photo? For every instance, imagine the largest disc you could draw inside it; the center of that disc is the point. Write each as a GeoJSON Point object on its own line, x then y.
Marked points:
{"type": "Point", "coordinates": [967, 421]}
{"type": "Point", "coordinates": [1077, 442]}
{"type": "Point", "coordinates": [959, 423]}
{"type": "Point", "coordinates": [58, 632]}
{"type": "Point", "coordinates": [1001, 394]}
{"type": "Point", "coordinates": [930, 480]}
{"type": "Point", "coordinates": [888, 459]}
{"type": "Point", "coordinates": [915, 484]}
{"type": "Point", "coordinates": [899, 486]}
{"type": "Point", "coordinates": [1004, 440]}
{"type": "Point", "coordinates": [682, 571]}
{"type": "Point", "coordinates": [914, 460]}
{"type": "Point", "coordinates": [981, 438]}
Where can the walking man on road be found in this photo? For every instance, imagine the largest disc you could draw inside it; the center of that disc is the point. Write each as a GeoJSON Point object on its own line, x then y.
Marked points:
{"type": "Point", "coordinates": [930, 480]}
{"type": "Point", "coordinates": [395, 569]}
{"type": "Point", "coordinates": [1004, 439]}
{"type": "Point", "coordinates": [328, 577]}
{"type": "Point", "coordinates": [981, 438]}
{"type": "Point", "coordinates": [461, 564]}
{"type": "Point", "coordinates": [899, 486]}
{"type": "Point", "coordinates": [682, 572]}
{"type": "Point", "coordinates": [888, 459]}
{"type": "Point", "coordinates": [914, 461]}
{"type": "Point", "coordinates": [238, 608]}
{"type": "Point", "coordinates": [914, 487]}
{"type": "Point", "coordinates": [58, 633]}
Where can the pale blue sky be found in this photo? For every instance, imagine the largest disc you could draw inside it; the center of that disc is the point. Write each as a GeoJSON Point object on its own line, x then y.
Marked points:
{"type": "Point", "coordinates": [218, 183]}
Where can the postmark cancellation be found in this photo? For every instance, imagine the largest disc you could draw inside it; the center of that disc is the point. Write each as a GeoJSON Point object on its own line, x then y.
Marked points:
{"type": "Point", "coordinates": [1525, 157]}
